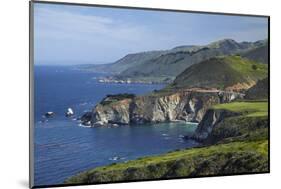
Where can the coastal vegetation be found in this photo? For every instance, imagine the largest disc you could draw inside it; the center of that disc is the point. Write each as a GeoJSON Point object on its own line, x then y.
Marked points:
{"type": "Point", "coordinates": [246, 108]}
{"type": "Point", "coordinates": [165, 65]}
{"type": "Point", "coordinates": [116, 97]}
{"type": "Point", "coordinates": [223, 86]}
{"type": "Point", "coordinates": [222, 159]}
{"type": "Point", "coordinates": [225, 73]}
{"type": "Point", "coordinates": [236, 144]}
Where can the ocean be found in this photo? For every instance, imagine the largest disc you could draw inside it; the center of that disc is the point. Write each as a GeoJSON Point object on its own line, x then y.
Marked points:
{"type": "Point", "coordinates": [63, 148]}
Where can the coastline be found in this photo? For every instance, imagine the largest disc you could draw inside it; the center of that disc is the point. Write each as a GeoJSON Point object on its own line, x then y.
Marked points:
{"type": "Point", "coordinates": [243, 151]}
{"type": "Point", "coordinates": [128, 81]}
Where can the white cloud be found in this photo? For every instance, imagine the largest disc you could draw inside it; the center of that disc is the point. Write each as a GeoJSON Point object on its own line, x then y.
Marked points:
{"type": "Point", "coordinates": [57, 24]}
{"type": "Point", "coordinates": [64, 33]}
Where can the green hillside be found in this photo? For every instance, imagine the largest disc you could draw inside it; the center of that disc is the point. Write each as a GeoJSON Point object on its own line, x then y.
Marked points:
{"type": "Point", "coordinates": [259, 54]}
{"type": "Point", "coordinates": [237, 144]}
{"type": "Point", "coordinates": [248, 109]}
{"type": "Point", "coordinates": [247, 157]}
{"type": "Point", "coordinates": [165, 65]}
{"type": "Point", "coordinates": [258, 91]}
{"type": "Point", "coordinates": [132, 60]}
{"type": "Point", "coordinates": [221, 73]}
{"type": "Point", "coordinates": [122, 64]}
{"type": "Point", "coordinates": [171, 63]}
{"type": "Point", "coordinates": [213, 160]}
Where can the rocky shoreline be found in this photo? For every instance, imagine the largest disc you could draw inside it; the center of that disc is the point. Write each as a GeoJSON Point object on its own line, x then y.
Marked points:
{"type": "Point", "coordinates": [210, 120]}
{"type": "Point", "coordinates": [186, 105]}
{"type": "Point", "coordinates": [234, 140]}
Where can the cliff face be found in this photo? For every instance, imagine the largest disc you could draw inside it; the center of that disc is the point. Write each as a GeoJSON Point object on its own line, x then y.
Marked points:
{"type": "Point", "coordinates": [239, 130]}
{"type": "Point", "coordinates": [233, 121]}
{"type": "Point", "coordinates": [185, 105]}
{"type": "Point", "coordinates": [209, 121]}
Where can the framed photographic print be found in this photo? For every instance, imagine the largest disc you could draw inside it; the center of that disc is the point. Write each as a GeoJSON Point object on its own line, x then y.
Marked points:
{"type": "Point", "coordinates": [123, 94]}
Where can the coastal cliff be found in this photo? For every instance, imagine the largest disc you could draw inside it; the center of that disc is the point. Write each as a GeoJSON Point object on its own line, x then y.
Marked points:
{"type": "Point", "coordinates": [209, 121]}
{"type": "Point", "coordinates": [236, 143]}
{"type": "Point", "coordinates": [234, 120]}
{"type": "Point", "coordinates": [232, 133]}
{"type": "Point", "coordinates": [186, 105]}
{"type": "Point", "coordinates": [187, 98]}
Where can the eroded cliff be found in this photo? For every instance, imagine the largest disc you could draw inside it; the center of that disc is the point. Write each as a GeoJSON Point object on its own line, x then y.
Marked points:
{"type": "Point", "coordinates": [185, 105]}
{"type": "Point", "coordinates": [238, 120]}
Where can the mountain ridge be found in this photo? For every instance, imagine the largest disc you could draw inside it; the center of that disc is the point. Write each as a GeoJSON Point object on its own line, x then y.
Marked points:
{"type": "Point", "coordinates": [164, 65]}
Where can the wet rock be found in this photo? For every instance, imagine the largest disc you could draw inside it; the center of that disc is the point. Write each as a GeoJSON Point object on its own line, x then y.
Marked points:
{"type": "Point", "coordinates": [49, 114]}
{"type": "Point", "coordinates": [69, 112]}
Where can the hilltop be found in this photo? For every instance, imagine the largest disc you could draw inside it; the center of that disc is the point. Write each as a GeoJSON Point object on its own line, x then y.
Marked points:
{"type": "Point", "coordinates": [165, 65]}
{"type": "Point", "coordinates": [259, 54]}
{"type": "Point", "coordinates": [169, 64]}
{"type": "Point", "coordinates": [228, 73]}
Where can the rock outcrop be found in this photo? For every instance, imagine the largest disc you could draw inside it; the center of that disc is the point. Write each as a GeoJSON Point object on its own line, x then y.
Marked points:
{"type": "Point", "coordinates": [187, 105]}
{"type": "Point", "coordinates": [209, 121]}
{"type": "Point", "coordinates": [49, 114]}
{"type": "Point", "coordinates": [69, 112]}
{"type": "Point", "coordinates": [233, 121]}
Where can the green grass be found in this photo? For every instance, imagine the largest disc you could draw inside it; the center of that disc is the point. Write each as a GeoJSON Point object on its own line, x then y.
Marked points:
{"type": "Point", "coordinates": [251, 124]}
{"type": "Point", "coordinates": [239, 128]}
{"type": "Point", "coordinates": [229, 71]}
{"type": "Point", "coordinates": [231, 158]}
{"type": "Point", "coordinates": [245, 66]}
{"type": "Point", "coordinates": [204, 151]}
{"type": "Point", "coordinates": [238, 144]}
{"type": "Point", "coordinates": [249, 108]}
{"type": "Point", "coordinates": [110, 99]}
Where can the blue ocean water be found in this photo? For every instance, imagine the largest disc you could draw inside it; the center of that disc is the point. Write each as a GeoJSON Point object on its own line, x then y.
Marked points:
{"type": "Point", "coordinates": [63, 148]}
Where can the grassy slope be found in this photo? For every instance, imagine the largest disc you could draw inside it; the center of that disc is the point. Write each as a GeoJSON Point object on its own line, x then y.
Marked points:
{"type": "Point", "coordinates": [173, 62]}
{"type": "Point", "coordinates": [245, 67]}
{"type": "Point", "coordinates": [249, 109]}
{"type": "Point", "coordinates": [241, 147]}
{"type": "Point", "coordinates": [251, 125]}
{"type": "Point", "coordinates": [231, 158]}
{"type": "Point", "coordinates": [228, 71]}
{"type": "Point", "coordinates": [259, 54]}
{"type": "Point", "coordinates": [258, 91]}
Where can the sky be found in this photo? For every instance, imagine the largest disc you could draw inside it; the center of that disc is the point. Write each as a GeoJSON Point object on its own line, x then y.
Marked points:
{"type": "Point", "coordinates": [68, 34]}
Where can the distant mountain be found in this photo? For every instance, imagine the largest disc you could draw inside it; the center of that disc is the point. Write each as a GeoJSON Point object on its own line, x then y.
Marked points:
{"type": "Point", "coordinates": [165, 65]}
{"type": "Point", "coordinates": [122, 64]}
{"type": "Point", "coordinates": [228, 73]}
{"type": "Point", "coordinates": [99, 68]}
{"type": "Point", "coordinates": [259, 54]}
{"type": "Point", "coordinates": [258, 91]}
{"type": "Point", "coordinates": [132, 60]}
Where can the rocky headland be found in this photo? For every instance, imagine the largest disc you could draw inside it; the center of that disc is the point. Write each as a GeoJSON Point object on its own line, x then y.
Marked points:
{"type": "Point", "coordinates": [234, 140]}
{"type": "Point", "coordinates": [226, 95]}
{"type": "Point", "coordinates": [232, 130]}
{"type": "Point", "coordinates": [185, 105]}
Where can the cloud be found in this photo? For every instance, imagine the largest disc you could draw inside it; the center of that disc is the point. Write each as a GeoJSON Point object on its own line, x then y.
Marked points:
{"type": "Point", "coordinates": [61, 24]}
{"type": "Point", "coordinates": [90, 34]}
